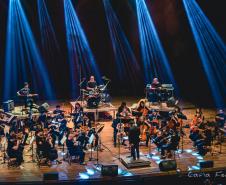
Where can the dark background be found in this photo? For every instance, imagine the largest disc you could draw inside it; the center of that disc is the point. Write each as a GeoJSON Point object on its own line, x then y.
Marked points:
{"type": "Point", "coordinates": [171, 23]}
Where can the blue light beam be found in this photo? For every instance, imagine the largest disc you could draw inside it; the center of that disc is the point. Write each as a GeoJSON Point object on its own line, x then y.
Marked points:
{"type": "Point", "coordinates": [211, 49]}
{"type": "Point", "coordinates": [80, 54]}
{"type": "Point", "coordinates": [155, 61]}
{"type": "Point", "coordinates": [48, 37]}
{"type": "Point", "coordinates": [125, 59]}
{"type": "Point", "coordinates": [22, 56]}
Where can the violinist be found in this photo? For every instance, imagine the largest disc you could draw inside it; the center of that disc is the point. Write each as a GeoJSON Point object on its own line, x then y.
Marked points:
{"type": "Point", "coordinates": [171, 144]}
{"type": "Point", "coordinates": [75, 149]}
{"type": "Point", "coordinates": [154, 117]}
{"type": "Point", "coordinates": [14, 149]}
{"type": "Point", "coordinates": [220, 118]}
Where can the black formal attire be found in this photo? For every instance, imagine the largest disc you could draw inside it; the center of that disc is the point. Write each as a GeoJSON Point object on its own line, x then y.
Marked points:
{"type": "Point", "coordinates": [75, 150]}
{"type": "Point", "coordinates": [134, 140]}
{"type": "Point", "coordinates": [92, 84]}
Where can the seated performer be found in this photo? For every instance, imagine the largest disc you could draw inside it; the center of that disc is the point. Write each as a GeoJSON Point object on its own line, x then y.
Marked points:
{"type": "Point", "coordinates": [142, 109]}
{"type": "Point", "coordinates": [220, 119]}
{"type": "Point", "coordinates": [14, 149]}
{"type": "Point", "coordinates": [91, 84]}
{"type": "Point", "coordinates": [78, 115]}
{"type": "Point", "coordinates": [134, 140]}
{"type": "Point", "coordinates": [58, 112]}
{"type": "Point", "coordinates": [155, 83]}
{"type": "Point", "coordinates": [154, 94]}
{"type": "Point", "coordinates": [123, 110]}
{"type": "Point", "coordinates": [172, 144]}
{"type": "Point", "coordinates": [75, 149]}
{"type": "Point", "coordinates": [45, 147]}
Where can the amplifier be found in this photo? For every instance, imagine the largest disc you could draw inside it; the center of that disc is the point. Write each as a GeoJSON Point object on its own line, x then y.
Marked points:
{"type": "Point", "coordinates": [50, 176]}
{"type": "Point", "coordinates": [8, 106]}
{"type": "Point", "coordinates": [206, 164]}
{"type": "Point", "coordinates": [167, 165]}
{"type": "Point", "coordinates": [109, 170]}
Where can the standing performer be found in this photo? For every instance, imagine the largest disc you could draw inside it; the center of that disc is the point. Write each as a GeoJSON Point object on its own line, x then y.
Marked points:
{"type": "Point", "coordinates": [24, 93]}
{"type": "Point", "coordinates": [134, 140]}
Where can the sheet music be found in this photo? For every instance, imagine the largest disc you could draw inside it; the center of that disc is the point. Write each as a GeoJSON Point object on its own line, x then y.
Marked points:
{"type": "Point", "coordinates": [63, 140]}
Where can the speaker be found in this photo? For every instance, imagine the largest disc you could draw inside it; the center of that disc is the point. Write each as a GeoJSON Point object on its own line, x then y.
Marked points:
{"type": "Point", "coordinates": [50, 176]}
{"type": "Point", "coordinates": [8, 106]}
{"type": "Point", "coordinates": [206, 164]}
{"type": "Point", "coordinates": [43, 108]}
{"type": "Point", "coordinates": [109, 170]}
{"type": "Point", "coordinates": [167, 165]}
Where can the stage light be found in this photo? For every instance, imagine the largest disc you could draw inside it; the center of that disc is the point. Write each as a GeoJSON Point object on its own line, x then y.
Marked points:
{"type": "Point", "coordinates": [211, 49]}
{"type": "Point", "coordinates": [48, 37]}
{"type": "Point", "coordinates": [84, 176]}
{"type": "Point", "coordinates": [155, 61]}
{"type": "Point", "coordinates": [80, 55]}
{"type": "Point", "coordinates": [127, 65]}
{"type": "Point", "coordinates": [22, 56]}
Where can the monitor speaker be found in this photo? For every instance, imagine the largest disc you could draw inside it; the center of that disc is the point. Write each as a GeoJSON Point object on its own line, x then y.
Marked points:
{"type": "Point", "coordinates": [8, 106]}
{"type": "Point", "coordinates": [206, 164]}
{"type": "Point", "coordinates": [167, 165]}
{"type": "Point", "coordinates": [50, 176]}
{"type": "Point", "coordinates": [109, 170]}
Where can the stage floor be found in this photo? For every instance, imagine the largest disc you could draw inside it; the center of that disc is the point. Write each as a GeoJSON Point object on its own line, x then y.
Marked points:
{"type": "Point", "coordinates": [109, 155]}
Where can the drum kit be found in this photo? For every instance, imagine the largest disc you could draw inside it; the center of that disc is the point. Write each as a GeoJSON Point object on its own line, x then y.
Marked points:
{"type": "Point", "coordinates": [96, 96]}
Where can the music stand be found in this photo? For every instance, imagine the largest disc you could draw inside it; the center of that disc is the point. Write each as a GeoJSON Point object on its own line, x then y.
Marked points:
{"type": "Point", "coordinates": [91, 138]}
{"type": "Point", "coordinates": [98, 134]}
{"type": "Point", "coordinates": [32, 148]}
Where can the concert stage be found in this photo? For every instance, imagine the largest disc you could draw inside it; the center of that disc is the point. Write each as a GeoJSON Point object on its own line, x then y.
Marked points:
{"type": "Point", "coordinates": [188, 171]}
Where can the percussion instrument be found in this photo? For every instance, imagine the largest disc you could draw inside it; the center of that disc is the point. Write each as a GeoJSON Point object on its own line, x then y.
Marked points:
{"type": "Point", "coordinates": [93, 102]}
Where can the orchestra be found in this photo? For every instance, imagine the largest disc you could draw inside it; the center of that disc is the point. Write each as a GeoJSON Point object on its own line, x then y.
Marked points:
{"type": "Point", "coordinates": [77, 131]}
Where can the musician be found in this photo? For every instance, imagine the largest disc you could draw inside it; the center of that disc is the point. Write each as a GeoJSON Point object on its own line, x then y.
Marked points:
{"type": "Point", "coordinates": [134, 140]}
{"type": "Point", "coordinates": [155, 83]}
{"type": "Point", "coordinates": [154, 117]}
{"type": "Point", "coordinates": [123, 110]}
{"type": "Point", "coordinates": [154, 95]}
{"type": "Point", "coordinates": [42, 120]}
{"type": "Point", "coordinates": [145, 129]}
{"type": "Point", "coordinates": [25, 91]}
{"type": "Point", "coordinates": [142, 108]}
{"type": "Point", "coordinates": [83, 140]}
{"type": "Point", "coordinates": [78, 115]}
{"type": "Point", "coordinates": [45, 146]}
{"type": "Point", "coordinates": [199, 113]}
{"type": "Point", "coordinates": [58, 112]}
{"type": "Point", "coordinates": [91, 84]}
{"type": "Point", "coordinates": [15, 149]}
{"type": "Point", "coordinates": [220, 118]}
{"type": "Point", "coordinates": [201, 139]}
{"type": "Point", "coordinates": [171, 144]}
{"type": "Point", "coordinates": [75, 149]}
